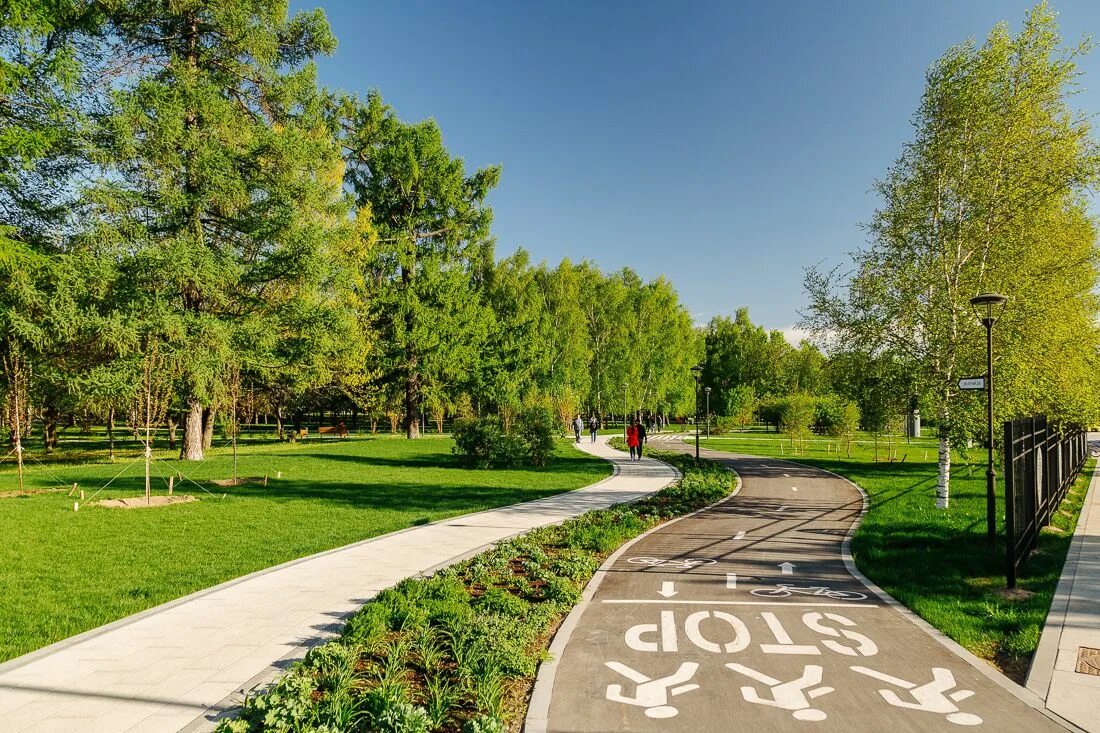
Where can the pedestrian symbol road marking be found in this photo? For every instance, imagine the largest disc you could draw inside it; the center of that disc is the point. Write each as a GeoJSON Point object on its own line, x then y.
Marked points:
{"type": "Point", "coordinates": [794, 695]}
{"type": "Point", "coordinates": [928, 697]}
{"type": "Point", "coordinates": [653, 694]}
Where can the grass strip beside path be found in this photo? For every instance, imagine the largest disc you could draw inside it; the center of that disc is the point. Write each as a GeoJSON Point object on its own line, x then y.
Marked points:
{"type": "Point", "coordinates": [459, 651]}
{"type": "Point", "coordinates": [938, 562]}
{"type": "Point", "coordinates": [64, 572]}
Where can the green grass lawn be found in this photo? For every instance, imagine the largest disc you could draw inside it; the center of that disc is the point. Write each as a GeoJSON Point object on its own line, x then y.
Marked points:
{"type": "Point", "coordinates": [63, 572]}
{"type": "Point", "coordinates": [937, 562]}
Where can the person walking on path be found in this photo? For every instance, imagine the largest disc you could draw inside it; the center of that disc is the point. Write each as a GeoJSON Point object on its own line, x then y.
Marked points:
{"type": "Point", "coordinates": [632, 440]}
{"type": "Point", "coordinates": [578, 426]}
{"type": "Point", "coordinates": [593, 426]}
{"type": "Point", "coordinates": [639, 428]}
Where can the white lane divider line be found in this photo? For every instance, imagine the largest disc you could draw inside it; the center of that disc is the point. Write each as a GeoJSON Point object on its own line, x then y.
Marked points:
{"type": "Point", "coordinates": [673, 602]}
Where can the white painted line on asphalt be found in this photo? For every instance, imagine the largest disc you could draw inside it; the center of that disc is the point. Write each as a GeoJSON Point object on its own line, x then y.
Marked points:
{"type": "Point", "coordinates": [731, 581]}
{"type": "Point", "coordinates": [782, 508]}
{"type": "Point", "coordinates": [794, 488]}
{"type": "Point", "coordinates": [740, 535]}
{"type": "Point", "coordinates": [738, 603]}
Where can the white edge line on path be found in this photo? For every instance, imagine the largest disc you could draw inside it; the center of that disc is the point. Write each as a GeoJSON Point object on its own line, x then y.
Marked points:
{"type": "Point", "coordinates": [538, 709]}
{"type": "Point", "coordinates": [230, 704]}
{"type": "Point", "coordinates": [1023, 694]}
{"type": "Point", "coordinates": [740, 603]}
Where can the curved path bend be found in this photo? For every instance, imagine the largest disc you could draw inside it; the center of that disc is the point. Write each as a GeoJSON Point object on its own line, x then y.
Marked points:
{"type": "Point", "coordinates": [751, 616]}
{"type": "Point", "coordinates": [182, 664]}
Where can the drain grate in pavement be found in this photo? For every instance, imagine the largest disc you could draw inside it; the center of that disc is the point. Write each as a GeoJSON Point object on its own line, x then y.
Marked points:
{"type": "Point", "coordinates": [1088, 661]}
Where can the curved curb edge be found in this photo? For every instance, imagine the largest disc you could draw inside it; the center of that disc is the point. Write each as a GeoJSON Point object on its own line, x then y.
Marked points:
{"type": "Point", "coordinates": [1023, 694]}
{"type": "Point", "coordinates": [538, 707]}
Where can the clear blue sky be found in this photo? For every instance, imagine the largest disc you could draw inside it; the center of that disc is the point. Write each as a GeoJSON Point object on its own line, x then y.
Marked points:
{"type": "Point", "coordinates": [726, 145]}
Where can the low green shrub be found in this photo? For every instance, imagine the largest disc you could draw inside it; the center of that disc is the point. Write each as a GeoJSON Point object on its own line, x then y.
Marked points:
{"type": "Point", "coordinates": [484, 443]}
{"type": "Point", "coordinates": [459, 650]}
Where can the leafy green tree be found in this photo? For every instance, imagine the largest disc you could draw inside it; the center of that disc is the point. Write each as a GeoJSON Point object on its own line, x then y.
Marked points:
{"type": "Point", "coordinates": [848, 424]}
{"type": "Point", "coordinates": [433, 244]}
{"type": "Point", "coordinates": [221, 188]}
{"type": "Point", "coordinates": [43, 63]}
{"type": "Point", "coordinates": [989, 196]}
{"type": "Point", "coordinates": [797, 414]}
{"type": "Point", "coordinates": [741, 404]}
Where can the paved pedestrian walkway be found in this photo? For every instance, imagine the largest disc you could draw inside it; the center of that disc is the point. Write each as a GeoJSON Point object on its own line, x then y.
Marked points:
{"type": "Point", "coordinates": [1066, 668]}
{"type": "Point", "coordinates": [751, 616]}
{"type": "Point", "coordinates": [178, 665]}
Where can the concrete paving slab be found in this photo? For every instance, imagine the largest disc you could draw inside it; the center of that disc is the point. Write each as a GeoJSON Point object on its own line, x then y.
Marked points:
{"type": "Point", "coordinates": [745, 616]}
{"type": "Point", "coordinates": [1074, 622]}
{"type": "Point", "coordinates": [173, 667]}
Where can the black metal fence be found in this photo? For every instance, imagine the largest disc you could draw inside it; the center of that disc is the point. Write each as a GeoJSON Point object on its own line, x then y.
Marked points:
{"type": "Point", "coordinates": [1041, 463]}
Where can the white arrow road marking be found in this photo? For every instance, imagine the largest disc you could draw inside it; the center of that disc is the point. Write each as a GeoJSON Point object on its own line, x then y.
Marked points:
{"type": "Point", "coordinates": [731, 580]}
{"type": "Point", "coordinates": [794, 488]}
{"type": "Point", "coordinates": [668, 590]}
{"type": "Point", "coordinates": [740, 535]}
{"type": "Point", "coordinates": [787, 568]}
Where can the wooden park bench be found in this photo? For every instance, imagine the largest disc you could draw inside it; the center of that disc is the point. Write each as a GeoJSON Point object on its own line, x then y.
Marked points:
{"type": "Point", "coordinates": [338, 430]}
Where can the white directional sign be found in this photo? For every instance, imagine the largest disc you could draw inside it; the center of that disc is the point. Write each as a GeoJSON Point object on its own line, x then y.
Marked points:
{"type": "Point", "coordinates": [972, 383]}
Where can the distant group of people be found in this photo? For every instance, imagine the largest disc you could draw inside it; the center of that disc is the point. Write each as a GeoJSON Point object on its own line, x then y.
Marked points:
{"type": "Point", "coordinates": [637, 431]}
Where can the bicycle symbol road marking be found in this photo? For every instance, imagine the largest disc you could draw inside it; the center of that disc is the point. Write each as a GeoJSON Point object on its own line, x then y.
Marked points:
{"type": "Point", "coordinates": [684, 564]}
{"type": "Point", "coordinates": [782, 590]}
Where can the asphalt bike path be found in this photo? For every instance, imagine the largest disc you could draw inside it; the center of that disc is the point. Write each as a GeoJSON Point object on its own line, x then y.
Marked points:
{"type": "Point", "coordinates": [746, 616]}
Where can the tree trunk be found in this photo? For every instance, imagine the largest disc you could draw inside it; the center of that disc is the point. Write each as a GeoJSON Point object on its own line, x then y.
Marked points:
{"type": "Point", "coordinates": [207, 428]}
{"type": "Point", "coordinates": [172, 425]}
{"type": "Point", "coordinates": [49, 428]}
{"type": "Point", "coordinates": [943, 479]}
{"type": "Point", "coordinates": [192, 449]}
{"type": "Point", "coordinates": [279, 421]}
{"type": "Point", "coordinates": [111, 433]}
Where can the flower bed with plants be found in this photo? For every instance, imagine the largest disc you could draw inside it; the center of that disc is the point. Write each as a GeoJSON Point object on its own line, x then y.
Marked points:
{"type": "Point", "coordinates": [458, 651]}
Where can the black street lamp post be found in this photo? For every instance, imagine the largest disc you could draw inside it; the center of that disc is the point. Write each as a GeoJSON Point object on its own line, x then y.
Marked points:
{"type": "Point", "coordinates": [988, 306]}
{"type": "Point", "coordinates": [707, 390]}
{"type": "Point", "coordinates": [625, 408]}
{"type": "Point", "coordinates": [697, 371]}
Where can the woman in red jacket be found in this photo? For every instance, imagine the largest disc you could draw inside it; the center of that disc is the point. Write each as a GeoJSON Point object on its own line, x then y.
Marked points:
{"type": "Point", "coordinates": [632, 440]}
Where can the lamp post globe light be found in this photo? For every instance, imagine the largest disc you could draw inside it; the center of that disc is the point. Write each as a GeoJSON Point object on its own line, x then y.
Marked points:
{"type": "Point", "coordinates": [988, 307]}
{"type": "Point", "coordinates": [697, 372]}
{"type": "Point", "coordinates": [707, 391]}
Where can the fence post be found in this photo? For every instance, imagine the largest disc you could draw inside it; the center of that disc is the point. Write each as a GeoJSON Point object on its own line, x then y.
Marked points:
{"type": "Point", "coordinates": [1010, 508]}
